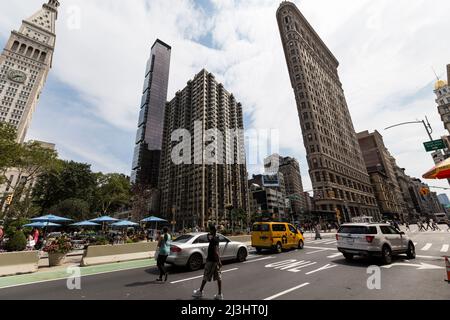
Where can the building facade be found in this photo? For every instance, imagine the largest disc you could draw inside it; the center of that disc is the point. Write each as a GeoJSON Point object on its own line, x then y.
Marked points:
{"type": "Point", "coordinates": [289, 168]}
{"type": "Point", "coordinates": [212, 178]}
{"type": "Point", "coordinates": [148, 144]}
{"type": "Point", "coordinates": [268, 202]}
{"type": "Point", "coordinates": [380, 167]}
{"type": "Point", "coordinates": [442, 91]}
{"type": "Point", "coordinates": [335, 162]}
{"type": "Point", "coordinates": [24, 66]}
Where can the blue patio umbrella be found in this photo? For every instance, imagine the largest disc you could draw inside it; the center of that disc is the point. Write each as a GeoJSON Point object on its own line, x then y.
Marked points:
{"type": "Point", "coordinates": [85, 224]}
{"type": "Point", "coordinates": [104, 219]}
{"type": "Point", "coordinates": [50, 218]}
{"type": "Point", "coordinates": [154, 219]}
{"type": "Point", "coordinates": [42, 225]}
{"type": "Point", "coordinates": [125, 224]}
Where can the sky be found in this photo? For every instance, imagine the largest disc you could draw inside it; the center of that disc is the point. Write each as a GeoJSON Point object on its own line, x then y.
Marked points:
{"type": "Point", "coordinates": [386, 49]}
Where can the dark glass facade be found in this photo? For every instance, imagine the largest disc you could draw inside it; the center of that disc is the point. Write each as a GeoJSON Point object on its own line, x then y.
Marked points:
{"type": "Point", "coordinates": [147, 151]}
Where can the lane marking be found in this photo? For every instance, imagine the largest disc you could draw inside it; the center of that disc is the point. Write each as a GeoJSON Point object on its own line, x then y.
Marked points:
{"type": "Point", "coordinates": [286, 291]}
{"type": "Point", "coordinates": [312, 252]}
{"type": "Point", "coordinates": [427, 247]}
{"type": "Point", "coordinates": [321, 248]}
{"type": "Point", "coordinates": [198, 277]}
{"type": "Point", "coordinates": [335, 255]}
{"type": "Point", "coordinates": [444, 248]}
{"type": "Point", "coordinates": [430, 257]}
{"type": "Point", "coordinates": [328, 266]}
{"type": "Point", "coordinates": [415, 244]}
{"type": "Point", "coordinates": [261, 259]}
{"type": "Point", "coordinates": [331, 242]}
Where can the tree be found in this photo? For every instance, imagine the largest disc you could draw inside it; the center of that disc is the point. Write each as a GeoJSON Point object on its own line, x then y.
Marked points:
{"type": "Point", "coordinates": [75, 209]}
{"type": "Point", "coordinates": [69, 180]}
{"type": "Point", "coordinates": [30, 161]}
{"type": "Point", "coordinates": [113, 192]}
{"type": "Point", "coordinates": [9, 149]}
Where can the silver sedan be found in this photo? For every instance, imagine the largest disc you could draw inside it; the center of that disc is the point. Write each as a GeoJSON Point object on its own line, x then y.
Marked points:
{"type": "Point", "coordinates": [191, 250]}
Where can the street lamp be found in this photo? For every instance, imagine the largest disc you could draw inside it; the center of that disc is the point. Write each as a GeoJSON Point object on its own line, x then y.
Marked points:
{"type": "Point", "coordinates": [426, 124]}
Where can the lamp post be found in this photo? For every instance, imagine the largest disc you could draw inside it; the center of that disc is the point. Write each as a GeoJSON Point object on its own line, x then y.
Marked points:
{"type": "Point", "coordinates": [426, 124]}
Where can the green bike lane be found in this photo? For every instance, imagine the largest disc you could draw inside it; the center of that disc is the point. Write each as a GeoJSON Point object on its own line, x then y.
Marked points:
{"type": "Point", "coordinates": [66, 272]}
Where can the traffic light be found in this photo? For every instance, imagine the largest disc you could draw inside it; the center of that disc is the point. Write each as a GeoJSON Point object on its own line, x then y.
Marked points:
{"type": "Point", "coordinates": [9, 199]}
{"type": "Point", "coordinates": [424, 191]}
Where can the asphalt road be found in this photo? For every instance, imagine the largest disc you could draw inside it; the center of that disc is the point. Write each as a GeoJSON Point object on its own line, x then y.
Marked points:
{"type": "Point", "coordinates": [318, 272]}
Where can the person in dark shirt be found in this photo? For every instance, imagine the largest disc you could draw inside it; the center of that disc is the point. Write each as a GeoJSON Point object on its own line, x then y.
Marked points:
{"type": "Point", "coordinates": [213, 266]}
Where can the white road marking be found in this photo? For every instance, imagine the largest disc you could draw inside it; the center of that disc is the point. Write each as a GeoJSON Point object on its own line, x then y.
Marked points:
{"type": "Point", "coordinates": [320, 241]}
{"type": "Point", "coordinates": [287, 291]}
{"type": "Point", "coordinates": [415, 244]}
{"type": "Point", "coordinates": [261, 259]}
{"type": "Point", "coordinates": [335, 255]}
{"type": "Point", "coordinates": [252, 256]}
{"type": "Point", "coordinates": [430, 257]}
{"type": "Point", "coordinates": [328, 266]}
{"type": "Point", "coordinates": [427, 247]}
{"type": "Point", "coordinates": [320, 248]}
{"type": "Point", "coordinates": [444, 248]}
{"type": "Point", "coordinates": [198, 277]}
{"type": "Point", "coordinates": [331, 242]}
{"type": "Point", "coordinates": [312, 252]}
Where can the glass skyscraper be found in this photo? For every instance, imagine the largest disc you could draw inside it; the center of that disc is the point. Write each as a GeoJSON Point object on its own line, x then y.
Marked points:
{"type": "Point", "coordinates": [147, 152]}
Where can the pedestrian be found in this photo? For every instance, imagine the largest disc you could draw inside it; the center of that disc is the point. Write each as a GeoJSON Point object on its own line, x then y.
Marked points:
{"type": "Point", "coordinates": [31, 243]}
{"type": "Point", "coordinates": [318, 236]}
{"type": "Point", "coordinates": [164, 250]}
{"type": "Point", "coordinates": [435, 226]}
{"type": "Point", "coordinates": [2, 234]}
{"type": "Point", "coordinates": [35, 235]}
{"type": "Point", "coordinates": [213, 266]}
{"type": "Point", "coordinates": [448, 225]}
{"type": "Point", "coordinates": [407, 226]}
{"type": "Point", "coordinates": [396, 226]}
{"type": "Point", "coordinates": [428, 225]}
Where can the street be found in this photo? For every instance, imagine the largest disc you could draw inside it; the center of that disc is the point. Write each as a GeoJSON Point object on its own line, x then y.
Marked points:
{"type": "Point", "coordinates": [319, 272]}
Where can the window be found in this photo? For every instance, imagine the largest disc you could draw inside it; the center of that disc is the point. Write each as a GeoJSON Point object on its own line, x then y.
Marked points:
{"type": "Point", "coordinates": [388, 230]}
{"type": "Point", "coordinates": [292, 229]}
{"type": "Point", "coordinates": [278, 227]}
{"type": "Point", "coordinates": [260, 227]}
{"type": "Point", "coordinates": [183, 239]}
{"type": "Point", "coordinates": [201, 239]}
{"type": "Point", "coordinates": [358, 230]}
{"type": "Point", "coordinates": [222, 238]}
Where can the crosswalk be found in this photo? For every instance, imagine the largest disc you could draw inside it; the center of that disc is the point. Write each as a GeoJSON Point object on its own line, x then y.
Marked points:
{"type": "Point", "coordinates": [428, 246]}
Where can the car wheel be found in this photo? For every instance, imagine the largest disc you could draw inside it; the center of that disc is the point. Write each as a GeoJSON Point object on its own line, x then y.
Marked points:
{"type": "Point", "coordinates": [386, 255]}
{"type": "Point", "coordinates": [301, 244]}
{"type": "Point", "coordinates": [348, 256]}
{"type": "Point", "coordinates": [258, 250]}
{"type": "Point", "coordinates": [195, 262]}
{"type": "Point", "coordinates": [411, 253]}
{"type": "Point", "coordinates": [279, 248]}
{"type": "Point", "coordinates": [241, 255]}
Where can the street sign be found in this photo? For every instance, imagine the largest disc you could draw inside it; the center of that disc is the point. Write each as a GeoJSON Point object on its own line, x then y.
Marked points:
{"type": "Point", "coordinates": [434, 145]}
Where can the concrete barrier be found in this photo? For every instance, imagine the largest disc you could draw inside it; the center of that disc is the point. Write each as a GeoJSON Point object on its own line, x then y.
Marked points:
{"type": "Point", "coordinates": [12, 263]}
{"type": "Point", "coordinates": [94, 255]}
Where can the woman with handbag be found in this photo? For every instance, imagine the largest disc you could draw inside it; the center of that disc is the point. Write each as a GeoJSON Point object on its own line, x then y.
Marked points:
{"type": "Point", "coordinates": [163, 252]}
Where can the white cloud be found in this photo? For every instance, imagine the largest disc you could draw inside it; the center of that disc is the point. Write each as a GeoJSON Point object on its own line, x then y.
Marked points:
{"type": "Point", "coordinates": [386, 50]}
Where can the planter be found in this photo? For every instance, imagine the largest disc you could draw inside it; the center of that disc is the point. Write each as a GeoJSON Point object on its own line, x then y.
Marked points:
{"type": "Point", "coordinates": [56, 259]}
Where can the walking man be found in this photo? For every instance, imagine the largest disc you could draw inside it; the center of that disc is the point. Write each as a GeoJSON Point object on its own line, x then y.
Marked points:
{"type": "Point", "coordinates": [213, 266]}
{"type": "Point", "coordinates": [420, 225]}
{"type": "Point", "coordinates": [407, 226]}
{"type": "Point", "coordinates": [318, 236]}
{"type": "Point", "coordinates": [164, 250]}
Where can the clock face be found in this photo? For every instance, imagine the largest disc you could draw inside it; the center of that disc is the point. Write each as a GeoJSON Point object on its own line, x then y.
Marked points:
{"type": "Point", "coordinates": [17, 76]}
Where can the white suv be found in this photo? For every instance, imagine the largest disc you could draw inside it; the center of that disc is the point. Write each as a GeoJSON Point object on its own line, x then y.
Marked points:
{"type": "Point", "coordinates": [373, 239]}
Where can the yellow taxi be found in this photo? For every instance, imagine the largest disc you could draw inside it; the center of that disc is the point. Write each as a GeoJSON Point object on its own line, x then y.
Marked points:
{"type": "Point", "coordinates": [276, 236]}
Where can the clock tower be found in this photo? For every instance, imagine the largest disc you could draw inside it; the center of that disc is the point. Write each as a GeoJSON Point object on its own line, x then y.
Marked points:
{"type": "Point", "coordinates": [24, 66]}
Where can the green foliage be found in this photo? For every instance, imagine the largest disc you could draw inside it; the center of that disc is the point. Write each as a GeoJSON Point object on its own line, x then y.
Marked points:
{"type": "Point", "coordinates": [12, 226]}
{"type": "Point", "coordinates": [76, 209]}
{"type": "Point", "coordinates": [18, 242]}
{"type": "Point", "coordinates": [8, 148]}
{"type": "Point", "coordinates": [70, 180]}
{"type": "Point", "coordinates": [113, 192]}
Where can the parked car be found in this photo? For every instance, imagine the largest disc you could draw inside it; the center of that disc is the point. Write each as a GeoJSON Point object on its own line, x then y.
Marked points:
{"type": "Point", "coordinates": [276, 236]}
{"type": "Point", "coordinates": [191, 250]}
{"type": "Point", "coordinates": [373, 239]}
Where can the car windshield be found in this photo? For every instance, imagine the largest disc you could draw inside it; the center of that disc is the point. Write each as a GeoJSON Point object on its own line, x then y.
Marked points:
{"type": "Point", "coordinates": [261, 227]}
{"type": "Point", "coordinates": [357, 230]}
{"type": "Point", "coordinates": [183, 239]}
